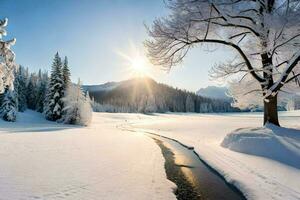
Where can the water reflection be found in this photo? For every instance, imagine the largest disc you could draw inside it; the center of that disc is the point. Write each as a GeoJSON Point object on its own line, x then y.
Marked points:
{"type": "Point", "coordinates": [207, 182]}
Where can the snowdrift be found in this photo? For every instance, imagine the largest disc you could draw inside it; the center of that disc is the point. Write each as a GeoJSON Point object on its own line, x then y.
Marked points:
{"type": "Point", "coordinates": [276, 143]}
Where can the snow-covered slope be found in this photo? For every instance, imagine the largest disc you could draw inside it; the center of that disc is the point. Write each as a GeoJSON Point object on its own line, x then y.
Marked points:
{"type": "Point", "coordinates": [46, 160]}
{"type": "Point", "coordinates": [259, 177]}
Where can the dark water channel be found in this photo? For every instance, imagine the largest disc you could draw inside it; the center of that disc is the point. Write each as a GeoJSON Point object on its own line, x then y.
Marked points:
{"type": "Point", "coordinates": [194, 178]}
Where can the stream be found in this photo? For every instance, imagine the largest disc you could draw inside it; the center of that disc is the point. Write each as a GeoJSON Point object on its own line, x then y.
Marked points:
{"type": "Point", "coordinates": [194, 178]}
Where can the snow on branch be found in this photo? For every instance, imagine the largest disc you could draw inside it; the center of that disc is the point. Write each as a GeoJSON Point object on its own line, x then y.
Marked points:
{"type": "Point", "coordinates": [285, 74]}
{"type": "Point", "coordinates": [265, 35]}
{"type": "Point", "coordinates": [7, 58]}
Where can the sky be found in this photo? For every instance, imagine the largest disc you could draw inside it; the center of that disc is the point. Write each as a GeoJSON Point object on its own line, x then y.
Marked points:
{"type": "Point", "coordinates": [94, 34]}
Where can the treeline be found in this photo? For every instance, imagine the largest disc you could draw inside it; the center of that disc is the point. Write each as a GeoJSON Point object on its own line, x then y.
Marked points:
{"type": "Point", "coordinates": [55, 96]}
{"type": "Point", "coordinates": [146, 96]}
{"type": "Point", "coordinates": [30, 89]}
{"type": "Point", "coordinates": [27, 92]}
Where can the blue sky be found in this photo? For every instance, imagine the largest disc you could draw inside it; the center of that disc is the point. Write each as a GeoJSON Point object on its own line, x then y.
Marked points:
{"type": "Point", "coordinates": [91, 33]}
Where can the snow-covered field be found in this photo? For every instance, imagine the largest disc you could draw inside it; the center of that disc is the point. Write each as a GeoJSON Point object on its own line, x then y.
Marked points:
{"type": "Point", "coordinates": [271, 175]}
{"type": "Point", "coordinates": [114, 159]}
{"type": "Point", "coordinates": [44, 160]}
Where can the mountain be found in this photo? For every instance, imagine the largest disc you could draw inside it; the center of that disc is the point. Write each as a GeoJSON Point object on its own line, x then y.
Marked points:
{"type": "Point", "coordinates": [146, 95]}
{"type": "Point", "coordinates": [103, 87]}
{"type": "Point", "coordinates": [214, 92]}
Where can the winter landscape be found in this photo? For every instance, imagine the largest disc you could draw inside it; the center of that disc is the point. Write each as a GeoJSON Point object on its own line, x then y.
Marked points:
{"type": "Point", "coordinates": [130, 99]}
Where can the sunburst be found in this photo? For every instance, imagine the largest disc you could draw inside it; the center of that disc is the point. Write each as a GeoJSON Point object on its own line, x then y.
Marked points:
{"type": "Point", "coordinates": [136, 62]}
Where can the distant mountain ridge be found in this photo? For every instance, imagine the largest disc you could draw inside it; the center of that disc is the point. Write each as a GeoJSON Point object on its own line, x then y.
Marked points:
{"type": "Point", "coordinates": [146, 95]}
{"type": "Point", "coordinates": [214, 92]}
{"type": "Point", "coordinates": [101, 87]}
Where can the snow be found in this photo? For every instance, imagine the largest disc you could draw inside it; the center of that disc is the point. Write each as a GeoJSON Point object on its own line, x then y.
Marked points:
{"type": "Point", "coordinates": [273, 142]}
{"type": "Point", "coordinates": [107, 160]}
{"type": "Point", "coordinates": [7, 58]}
{"type": "Point", "coordinates": [257, 173]}
{"type": "Point", "coordinates": [56, 95]}
{"type": "Point", "coordinates": [46, 160]}
{"type": "Point", "coordinates": [77, 108]}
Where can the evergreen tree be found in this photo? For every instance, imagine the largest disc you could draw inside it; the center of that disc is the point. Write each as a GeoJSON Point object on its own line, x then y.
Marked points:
{"type": "Point", "coordinates": [54, 104]}
{"type": "Point", "coordinates": [9, 109]}
{"type": "Point", "coordinates": [16, 87]}
{"type": "Point", "coordinates": [7, 58]}
{"type": "Point", "coordinates": [20, 83]}
{"type": "Point", "coordinates": [41, 91]}
{"type": "Point", "coordinates": [66, 78]}
{"type": "Point", "coordinates": [189, 104]}
{"type": "Point", "coordinates": [32, 92]}
{"type": "Point", "coordinates": [150, 106]}
{"type": "Point", "coordinates": [66, 74]}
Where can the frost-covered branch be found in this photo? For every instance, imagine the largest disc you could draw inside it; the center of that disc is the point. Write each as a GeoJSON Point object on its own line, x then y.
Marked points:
{"type": "Point", "coordinates": [7, 58]}
{"type": "Point", "coordinates": [264, 33]}
{"type": "Point", "coordinates": [285, 74]}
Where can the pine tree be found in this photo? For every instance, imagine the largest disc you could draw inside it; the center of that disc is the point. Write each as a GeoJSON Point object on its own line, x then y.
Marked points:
{"type": "Point", "coordinates": [189, 104]}
{"type": "Point", "coordinates": [8, 108]}
{"type": "Point", "coordinates": [66, 79]}
{"type": "Point", "coordinates": [41, 91]}
{"type": "Point", "coordinates": [20, 83]}
{"type": "Point", "coordinates": [7, 58]}
{"type": "Point", "coordinates": [16, 87]}
{"type": "Point", "coordinates": [54, 104]}
{"type": "Point", "coordinates": [32, 92]}
{"type": "Point", "coordinates": [150, 106]}
{"type": "Point", "coordinates": [77, 106]}
{"type": "Point", "coordinates": [66, 74]}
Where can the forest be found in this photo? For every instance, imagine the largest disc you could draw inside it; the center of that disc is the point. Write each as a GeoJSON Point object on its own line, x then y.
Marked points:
{"type": "Point", "coordinates": [145, 95]}
{"type": "Point", "coordinates": [55, 96]}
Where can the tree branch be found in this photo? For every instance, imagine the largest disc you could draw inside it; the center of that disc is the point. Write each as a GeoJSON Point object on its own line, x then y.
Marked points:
{"type": "Point", "coordinates": [292, 78]}
{"type": "Point", "coordinates": [291, 64]}
{"type": "Point", "coordinates": [239, 50]}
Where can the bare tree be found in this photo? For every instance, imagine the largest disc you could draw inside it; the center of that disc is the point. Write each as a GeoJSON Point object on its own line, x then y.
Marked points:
{"type": "Point", "coordinates": [265, 35]}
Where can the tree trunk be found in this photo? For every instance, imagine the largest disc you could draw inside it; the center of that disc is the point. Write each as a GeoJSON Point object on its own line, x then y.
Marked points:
{"type": "Point", "coordinates": [270, 111]}
{"type": "Point", "coordinates": [270, 103]}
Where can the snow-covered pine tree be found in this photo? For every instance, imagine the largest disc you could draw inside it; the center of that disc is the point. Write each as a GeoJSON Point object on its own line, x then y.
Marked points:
{"type": "Point", "coordinates": [16, 87]}
{"type": "Point", "coordinates": [66, 73]}
{"type": "Point", "coordinates": [7, 58]}
{"type": "Point", "coordinates": [31, 93]}
{"type": "Point", "coordinates": [41, 91]}
{"type": "Point", "coordinates": [66, 78]}
{"type": "Point", "coordinates": [20, 88]}
{"type": "Point", "coordinates": [54, 104]}
{"type": "Point", "coordinates": [150, 106]}
{"type": "Point", "coordinates": [8, 109]}
{"type": "Point", "coordinates": [189, 104]}
{"type": "Point", "coordinates": [77, 108]}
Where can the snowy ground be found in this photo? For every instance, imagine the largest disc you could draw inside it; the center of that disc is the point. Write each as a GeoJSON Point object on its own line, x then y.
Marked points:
{"type": "Point", "coordinates": [258, 177]}
{"type": "Point", "coordinates": [44, 160]}
{"type": "Point", "coordinates": [107, 160]}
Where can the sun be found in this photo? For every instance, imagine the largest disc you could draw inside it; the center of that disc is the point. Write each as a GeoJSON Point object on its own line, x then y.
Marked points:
{"type": "Point", "coordinates": [136, 63]}
{"type": "Point", "coordinates": [138, 66]}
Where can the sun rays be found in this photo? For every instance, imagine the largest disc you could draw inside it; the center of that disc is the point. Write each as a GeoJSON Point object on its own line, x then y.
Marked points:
{"type": "Point", "coordinates": [136, 65]}
{"type": "Point", "coordinates": [135, 62]}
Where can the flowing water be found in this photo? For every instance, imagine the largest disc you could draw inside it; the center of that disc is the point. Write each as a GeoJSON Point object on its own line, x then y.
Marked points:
{"type": "Point", "coordinates": [194, 178]}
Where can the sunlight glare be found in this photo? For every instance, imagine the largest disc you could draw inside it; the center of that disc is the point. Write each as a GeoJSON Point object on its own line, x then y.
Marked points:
{"type": "Point", "coordinates": [138, 66]}
{"type": "Point", "coordinates": [136, 62]}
